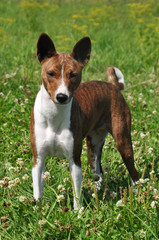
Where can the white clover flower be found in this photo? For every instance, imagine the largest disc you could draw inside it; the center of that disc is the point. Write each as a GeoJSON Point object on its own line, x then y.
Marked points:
{"type": "Point", "coordinates": [150, 150]}
{"type": "Point", "coordinates": [140, 181]}
{"type": "Point", "coordinates": [139, 99]}
{"type": "Point", "coordinates": [155, 191]}
{"type": "Point", "coordinates": [144, 103]}
{"type": "Point", "coordinates": [113, 195]}
{"type": "Point", "coordinates": [151, 91]}
{"type": "Point", "coordinates": [42, 222]}
{"type": "Point", "coordinates": [153, 204]}
{"type": "Point", "coordinates": [61, 188]}
{"type": "Point", "coordinates": [25, 177]}
{"type": "Point", "coordinates": [46, 176]}
{"type": "Point", "coordinates": [22, 198]}
{"type": "Point", "coordinates": [142, 233]}
{"type": "Point", "coordinates": [11, 182]}
{"type": "Point", "coordinates": [26, 100]}
{"type": "Point", "coordinates": [136, 143]}
{"type": "Point", "coordinates": [20, 162]}
{"type": "Point", "coordinates": [2, 182]}
{"type": "Point", "coordinates": [6, 178]}
{"type": "Point", "coordinates": [35, 207]}
{"type": "Point", "coordinates": [119, 203]}
{"type": "Point", "coordinates": [11, 168]}
{"type": "Point", "coordinates": [154, 112]}
{"type": "Point", "coordinates": [93, 195]}
{"type": "Point", "coordinates": [156, 196]}
{"type": "Point", "coordinates": [152, 172]}
{"type": "Point", "coordinates": [147, 180]}
{"type": "Point", "coordinates": [21, 87]}
{"type": "Point", "coordinates": [17, 181]}
{"type": "Point", "coordinates": [11, 186]}
{"type": "Point", "coordinates": [142, 135]}
{"type": "Point", "coordinates": [129, 97]}
{"type": "Point", "coordinates": [60, 198]}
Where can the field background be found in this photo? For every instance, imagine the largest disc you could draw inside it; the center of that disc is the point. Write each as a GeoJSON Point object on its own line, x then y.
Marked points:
{"type": "Point", "coordinates": [124, 34]}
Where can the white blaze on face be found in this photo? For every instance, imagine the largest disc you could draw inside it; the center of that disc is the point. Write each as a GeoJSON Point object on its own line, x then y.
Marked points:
{"type": "Point", "coordinates": [62, 88]}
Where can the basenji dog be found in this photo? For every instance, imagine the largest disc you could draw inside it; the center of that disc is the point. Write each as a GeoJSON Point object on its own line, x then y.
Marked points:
{"type": "Point", "coordinates": [66, 111]}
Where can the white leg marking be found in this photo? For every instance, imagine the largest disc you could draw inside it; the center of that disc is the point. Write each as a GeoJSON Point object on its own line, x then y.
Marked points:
{"type": "Point", "coordinates": [76, 173]}
{"type": "Point", "coordinates": [38, 181]}
{"type": "Point", "coordinates": [132, 182]}
{"type": "Point", "coordinates": [97, 172]}
{"type": "Point", "coordinates": [132, 185]}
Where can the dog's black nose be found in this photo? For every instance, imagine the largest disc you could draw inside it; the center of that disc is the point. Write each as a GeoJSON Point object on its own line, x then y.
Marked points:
{"type": "Point", "coordinates": [61, 98]}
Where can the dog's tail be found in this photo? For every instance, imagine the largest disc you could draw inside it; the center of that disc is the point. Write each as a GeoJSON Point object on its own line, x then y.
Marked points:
{"type": "Point", "coordinates": [115, 76]}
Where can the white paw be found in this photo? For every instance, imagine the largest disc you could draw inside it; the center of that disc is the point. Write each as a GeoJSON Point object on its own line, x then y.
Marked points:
{"type": "Point", "coordinates": [98, 181]}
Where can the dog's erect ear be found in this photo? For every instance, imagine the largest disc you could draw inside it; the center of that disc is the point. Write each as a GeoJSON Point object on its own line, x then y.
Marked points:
{"type": "Point", "coordinates": [82, 50]}
{"type": "Point", "coordinates": [45, 47]}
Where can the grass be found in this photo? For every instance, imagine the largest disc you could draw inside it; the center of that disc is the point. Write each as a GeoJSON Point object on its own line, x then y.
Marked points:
{"type": "Point", "coordinates": [124, 34]}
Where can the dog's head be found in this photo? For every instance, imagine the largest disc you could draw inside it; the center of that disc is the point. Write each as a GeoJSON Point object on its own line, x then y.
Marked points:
{"type": "Point", "coordinates": [61, 72]}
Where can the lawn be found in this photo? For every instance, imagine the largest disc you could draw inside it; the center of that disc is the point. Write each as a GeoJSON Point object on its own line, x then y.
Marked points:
{"type": "Point", "coordinates": [124, 34]}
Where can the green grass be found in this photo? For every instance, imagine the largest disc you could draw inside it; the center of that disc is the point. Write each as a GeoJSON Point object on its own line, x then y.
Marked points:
{"type": "Point", "coordinates": [123, 34]}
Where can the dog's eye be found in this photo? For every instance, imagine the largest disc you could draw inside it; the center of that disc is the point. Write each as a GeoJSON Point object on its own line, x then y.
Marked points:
{"type": "Point", "coordinates": [51, 74]}
{"type": "Point", "coordinates": [73, 75]}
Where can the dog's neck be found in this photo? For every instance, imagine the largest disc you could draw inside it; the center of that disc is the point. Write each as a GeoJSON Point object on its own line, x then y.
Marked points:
{"type": "Point", "coordinates": [56, 115]}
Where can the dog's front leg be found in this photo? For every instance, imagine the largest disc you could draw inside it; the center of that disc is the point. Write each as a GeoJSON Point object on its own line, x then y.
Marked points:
{"type": "Point", "coordinates": [76, 174]}
{"type": "Point", "coordinates": [38, 171]}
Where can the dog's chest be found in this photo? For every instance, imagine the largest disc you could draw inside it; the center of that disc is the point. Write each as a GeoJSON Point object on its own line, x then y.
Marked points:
{"type": "Point", "coordinates": [58, 143]}
{"type": "Point", "coordinates": [52, 129]}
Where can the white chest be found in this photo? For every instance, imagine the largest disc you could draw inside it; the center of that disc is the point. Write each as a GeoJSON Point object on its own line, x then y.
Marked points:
{"type": "Point", "coordinates": [52, 127]}
{"type": "Point", "coordinates": [55, 144]}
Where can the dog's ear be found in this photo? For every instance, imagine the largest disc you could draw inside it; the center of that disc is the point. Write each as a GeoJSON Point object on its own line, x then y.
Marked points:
{"type": "Point", "coordinates": [82, 50]}
{"type": "Point", "coordinates": [45, 47]}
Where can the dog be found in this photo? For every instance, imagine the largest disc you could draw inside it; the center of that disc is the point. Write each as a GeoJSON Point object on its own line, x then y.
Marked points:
{"type": "Point", "coordinates": [66, 111]}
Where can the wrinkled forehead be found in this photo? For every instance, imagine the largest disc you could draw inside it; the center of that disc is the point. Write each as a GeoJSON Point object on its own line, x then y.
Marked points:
{"type": "Point", "coordinates": [61, 61]}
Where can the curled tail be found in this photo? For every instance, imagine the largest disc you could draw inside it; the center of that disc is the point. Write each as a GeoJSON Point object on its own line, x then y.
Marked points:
{"type": "Point", "coordinates": [115, 76]}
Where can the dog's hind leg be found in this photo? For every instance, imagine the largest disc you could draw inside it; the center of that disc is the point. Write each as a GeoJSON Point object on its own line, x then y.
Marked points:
{"type": "Point", "coordinates": [95, 141]}
{"type": "Point", "coordinates": [121, 128]}
{"type": "Point", "coordinates": [126, 151]}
